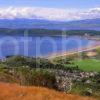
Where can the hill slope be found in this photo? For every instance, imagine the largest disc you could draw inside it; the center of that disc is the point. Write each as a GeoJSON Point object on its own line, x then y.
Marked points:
{"type": "Point", "coordinates": [16, 92]}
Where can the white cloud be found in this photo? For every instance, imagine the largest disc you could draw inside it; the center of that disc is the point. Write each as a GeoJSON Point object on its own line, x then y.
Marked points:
{"type": "Point", "coordinates": [48, 13]}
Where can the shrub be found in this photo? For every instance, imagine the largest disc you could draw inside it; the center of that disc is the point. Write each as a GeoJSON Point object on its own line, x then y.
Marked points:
{"type": "Point", "coordinates": [16, 61]}
{"type": "Point", "coordinates": [37, 77]}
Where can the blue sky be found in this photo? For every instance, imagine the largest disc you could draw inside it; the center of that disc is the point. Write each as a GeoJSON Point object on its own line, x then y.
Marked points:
{"type": "Point", "coordinates": [78, 4]}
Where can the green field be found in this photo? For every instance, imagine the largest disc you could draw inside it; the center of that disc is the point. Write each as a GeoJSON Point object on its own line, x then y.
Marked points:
{"type": "Point", "coordinates": [88, 64]}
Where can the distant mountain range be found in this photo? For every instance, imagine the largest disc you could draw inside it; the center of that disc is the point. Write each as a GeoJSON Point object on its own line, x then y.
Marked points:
{"type": "Point", "coordinates": [88, 24]}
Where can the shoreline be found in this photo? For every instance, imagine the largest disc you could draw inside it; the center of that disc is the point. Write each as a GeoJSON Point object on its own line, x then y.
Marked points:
{"type": "Point", "coordinates": [84, 49]}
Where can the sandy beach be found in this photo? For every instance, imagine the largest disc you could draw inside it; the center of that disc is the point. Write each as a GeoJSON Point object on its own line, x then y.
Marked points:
{"type": "Point", "coordinates": [84, 49]}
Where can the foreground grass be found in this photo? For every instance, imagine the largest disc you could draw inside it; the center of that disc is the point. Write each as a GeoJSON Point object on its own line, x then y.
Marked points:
{"type": "Point", "coordinates": [16, 92]}
{"type": "Point", "coordinates": [88, 64]}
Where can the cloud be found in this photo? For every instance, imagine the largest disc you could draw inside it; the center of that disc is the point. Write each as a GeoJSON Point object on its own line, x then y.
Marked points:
{"type": "Point", "coordinates": [90, 14]}
{"type": "Point", "coordinates": [48, 13]}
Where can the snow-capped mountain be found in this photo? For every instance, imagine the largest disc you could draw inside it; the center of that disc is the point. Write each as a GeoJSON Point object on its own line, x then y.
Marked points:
{"type": "Point", "coordinates": [50, 18]}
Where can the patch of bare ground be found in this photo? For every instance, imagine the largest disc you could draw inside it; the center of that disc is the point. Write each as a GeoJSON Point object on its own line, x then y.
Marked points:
{"type": "Point", "coordinates": [16, 92]}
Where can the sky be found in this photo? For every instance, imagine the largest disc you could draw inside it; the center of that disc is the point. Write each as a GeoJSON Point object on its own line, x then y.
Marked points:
{"type": "Point", "coordinates": [79, 4]}
{"type": "Point", "coordinates": [50, 9]}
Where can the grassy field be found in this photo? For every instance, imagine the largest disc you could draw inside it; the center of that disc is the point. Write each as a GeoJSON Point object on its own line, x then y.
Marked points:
{"type": "Point", "coordinates": [88, 64]}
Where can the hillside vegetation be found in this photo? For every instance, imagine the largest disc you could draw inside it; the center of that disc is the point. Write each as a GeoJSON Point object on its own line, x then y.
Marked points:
{"type": "Point", "coordinates": [61, 74]}
{"type": "Point", "coordinates": [46, 32]}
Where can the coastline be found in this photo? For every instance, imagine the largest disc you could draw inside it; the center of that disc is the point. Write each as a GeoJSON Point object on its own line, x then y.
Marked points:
{"type": "Point", "coordinates": [84, 49]}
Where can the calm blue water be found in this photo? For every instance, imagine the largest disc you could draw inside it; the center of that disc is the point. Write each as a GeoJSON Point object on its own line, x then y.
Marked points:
{"type": "Point", "coordinates": [40, 46]}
